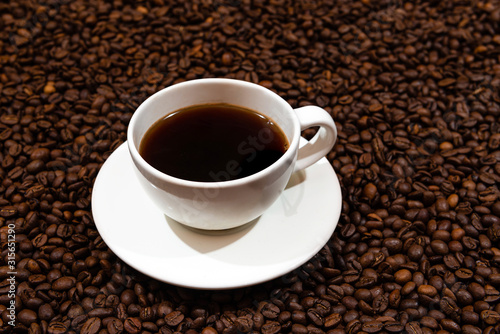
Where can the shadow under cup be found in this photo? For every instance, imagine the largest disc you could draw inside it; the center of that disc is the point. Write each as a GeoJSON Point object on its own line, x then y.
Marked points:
{"type": "Point", "coordinates": [214, 205]}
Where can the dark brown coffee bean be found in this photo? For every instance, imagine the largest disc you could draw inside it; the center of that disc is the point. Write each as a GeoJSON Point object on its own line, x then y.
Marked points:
{"type": "Point", "coordinates": [299, 317]}
{"type": "Point", "coordinates": [46, 312]}
{"type": "Point", "coordinates": [128, 297]}
{"type": "Point", "coordinates": [429, 322]}
{"type": "Point", "coordinates": [450, 325]}
{"type": "Point", "coordinates": [228, 319]}
{"type": "Point", "coordinates": [173, 318]}
{"type": "Point", "coordinates": [271, 327]}
{"type": "Point", "coordinates": [299, 329]}
{"type": "Point", "coordinates": [372, 326]}
{"type": "Point", "coordinates": [27, 317]}
{"type": "Point", "coordinates": [114, 326]}
{"type": "Point", "coordinates": [315, 317]}
{"type": "Point", "coordinates": [451, 262]}
{"type": "Point", "coordinates": [402, 276]}
{"type": "Point", "coordinates": [492, 295]}
{"type": "Point", "coordinates": [164, 308]}
{"type": "Point", "coordinates": [35, 166]}
{"type": "Point", "coordinates": [381, 303]}
{"type": "Point", "coordinates": [476, 290]}
{"type": "Point", "coordinates": [63, 283]}
{"type": "Point", "coordinates": [347, 230]}
{"type": "Point", "coordinates": [270, 311]}
{"type": "Point", "coordinates": [91, 326]}
{"type": "Point", "coordinates": [413, 327]}
{"type": "Point", "coordinates": [427, 290]}
{"type": "Point", "coordinates": [469, 243]}
{"type": "Point", "coordinates": [393, 327]}
{"type": "Point", "coordinates": [57, 327]}
{"type": "Point", "coordinates": [464, 297]}
{"type": "Point", "coordinates": [101, 312]}
{"type": "Point", "coordinates": [490, 317]}
{"type": "Point", "coordinates": [42, 154]}
{"type": "Point", "coordinates": [469, 329]}
{"type": "Point", "coordinates": [394, 245]}
{"type": "Point", "coordinates": [353, 326]}
{"type": "Point", "coordinates": [470, 317]}
{"type": "Point", "coordinates": [244, 324]}
{"type": "Point", "coordinates": [333, 320]}
{"type": "Point", "coordinates": [132, 325]}
{"type": "Point", "coordinates": [464, 274]}
{"type": "Point", "coordinates": [259, 320]}
{"type": "Point", "coordinates": [448, 306]}
{"type": "Point", "coordinates": [336, 292]}
{"type": "Point", "coordinates": [439, 247]}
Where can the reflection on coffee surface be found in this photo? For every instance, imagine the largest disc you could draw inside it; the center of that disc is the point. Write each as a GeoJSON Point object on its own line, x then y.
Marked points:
{"type": "Point", "coordinates": [213, 142]}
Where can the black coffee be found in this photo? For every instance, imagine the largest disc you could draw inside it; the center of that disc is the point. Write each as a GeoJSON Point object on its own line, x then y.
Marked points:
{"type": "Point", "coordinates": [213, 142]}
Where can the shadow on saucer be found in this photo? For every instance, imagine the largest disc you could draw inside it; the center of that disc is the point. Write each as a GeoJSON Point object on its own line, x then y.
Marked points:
{"type": "Point", "coordinates": [296, 179]}
{"type": "Point", "coordinates": [290, 200]}
{"type": "Point", "coordinates": [206, 241]}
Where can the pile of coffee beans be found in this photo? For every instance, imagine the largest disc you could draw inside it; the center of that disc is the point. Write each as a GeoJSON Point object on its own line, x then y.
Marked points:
{"type": "Point", "coordinates": [413, 88]}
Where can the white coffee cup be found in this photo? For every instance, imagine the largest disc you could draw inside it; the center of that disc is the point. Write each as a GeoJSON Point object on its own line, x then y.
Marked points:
{"type": "Point", "coordinates": [227, 204]}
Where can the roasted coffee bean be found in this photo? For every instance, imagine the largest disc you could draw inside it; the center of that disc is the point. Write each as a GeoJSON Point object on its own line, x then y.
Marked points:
{"type": "Point", "coordinates": [114, 326]}
{"type": "Point", "coordinates": [57, 327]}
{"type": "Point", "coordinates": [336, 292]}
{"type": "Point", "coordinates": [353, 326]}
{"type": "Point", "coordinates": [492, 295]}
{"type": "Point", "coordinates": [315, 317]}
{"type": "Point", "coordinates": [372, 326]}
{"type": "Point", "coordinates": [413, 328]}
{"type": "Point", "coordinates": [464, 274]}
{"type": "Point", "coordinates": [63, 283]}
{"type": "Point", "coordinates": [393, 327]}
{"type": "Point", "coordinates": [271, 327]}
{"type": "Point", "coordinates": [333, 320]}
{"type": "Point", "coordinates": [448, 306]}
{"type": "Point", "coordinates": [174, 318]}
{"type": "Point", "coordinates": [450, 326]}
{"type": "Point", "coordinates": [439, 247]}
{"type": "Point", "coordinates": [258, 319]}
{"type": "Point", "coordinates": [464, 297]}
{"type": "Point", "coordinates": [427, 290]}
{"type": "Point", "coordinates": [132, 325]}
{"type": "Point", "coordinates": [299, 317]}
{"type": "Point", "coordinates": [27, 317]}
{"type": "Point", "coordinates": [415, 252]}
{"type": "Point", "coordinates": [476, 290]}
{"type": "Point", "coordinates": [348, 230]}
{"type": "Point", "coordinates": [490, 317]}
{"type": "Point", "coordinates": [469, 329]}
{"type": "Point", "coordinates": [244, 324]}
{"type": "Point", "coordinates": [429, 322]}
{"type": "Point", "coordinates": [91, 326]}
{"type": "Point", "coordinates": [451, 262]}
{"type": "Point", "coordinates": [470, 317]}
{"type": "Point", "coordinates": [46, 312]}
{"type": "Point", "coordinates": [299, 329]}
{"type": "Point", "coordinates": [270, 310]}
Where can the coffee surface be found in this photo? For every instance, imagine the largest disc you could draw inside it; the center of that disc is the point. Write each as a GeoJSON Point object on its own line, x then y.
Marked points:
{"type": "Point", "coordinates": [213, 142]}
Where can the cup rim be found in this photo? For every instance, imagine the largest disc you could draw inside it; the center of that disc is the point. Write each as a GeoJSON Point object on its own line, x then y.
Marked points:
{"type": "Point", "coordinates": [142, 164]}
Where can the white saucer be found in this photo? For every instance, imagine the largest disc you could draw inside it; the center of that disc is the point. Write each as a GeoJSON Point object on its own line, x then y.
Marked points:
{"type": "Point", "coordinates": [286, 236]}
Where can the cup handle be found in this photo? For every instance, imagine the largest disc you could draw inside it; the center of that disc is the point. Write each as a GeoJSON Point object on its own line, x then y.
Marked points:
{"type": "Point", "coordinates": [321, 144]}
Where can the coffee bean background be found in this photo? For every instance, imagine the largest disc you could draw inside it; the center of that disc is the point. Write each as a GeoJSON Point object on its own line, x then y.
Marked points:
{"type": "Point", "coordinates": [413, 88]}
